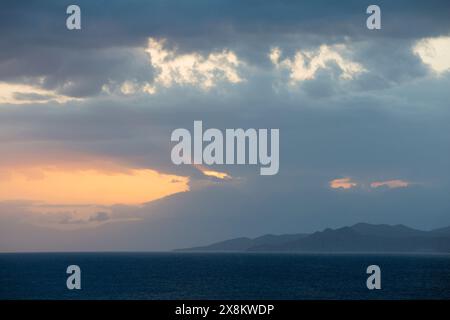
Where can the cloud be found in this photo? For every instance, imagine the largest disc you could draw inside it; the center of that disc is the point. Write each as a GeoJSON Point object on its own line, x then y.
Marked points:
{"type": "Point", "coordinates": [392, 120]}
{"type": "Point", "coordinates": [435, 52]}
{"type": "Point", "coordinates": [343, 183]}
{"type": "Point", "coordinates": [305, 64]}
{"type": "Point", "coordinates": [390, 184]}
{"type": "Point", "coordinates": [100, 217]}
{"type": "Point", "coordinates": [212, 173]}
{"type": "Point", "coordinates": [348, 183]}
{"type": "Point", "coordinates": [16, 93]}
{"type": "Point", "coordinates": [76, 72]}
{"type": "Point", "coordinates": [105, 53]}
{"type": "Point", "coordinates": [71, 219]}
{"type": "Point", "coordinates": [193, 68]}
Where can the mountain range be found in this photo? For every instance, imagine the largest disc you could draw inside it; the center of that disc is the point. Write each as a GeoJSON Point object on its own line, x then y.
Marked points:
{"type": "Point", "coordinates": [361, 237]}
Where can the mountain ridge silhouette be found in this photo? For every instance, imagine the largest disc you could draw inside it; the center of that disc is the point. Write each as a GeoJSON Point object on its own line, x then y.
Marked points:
{"type": "Point", "coordinates": [361, 237]}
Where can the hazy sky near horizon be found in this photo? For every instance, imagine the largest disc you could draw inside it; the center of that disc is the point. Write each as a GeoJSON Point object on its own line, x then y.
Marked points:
{"type": "Point", "coordinates": [86, 118]}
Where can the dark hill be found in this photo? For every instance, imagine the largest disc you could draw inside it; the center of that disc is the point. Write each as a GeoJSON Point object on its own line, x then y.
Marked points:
{"type": "Point", "coordinates": [362, 237]}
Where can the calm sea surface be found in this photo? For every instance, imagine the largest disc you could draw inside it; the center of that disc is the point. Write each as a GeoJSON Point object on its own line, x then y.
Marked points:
{"type": "Point", "coordinates": [222, 276]}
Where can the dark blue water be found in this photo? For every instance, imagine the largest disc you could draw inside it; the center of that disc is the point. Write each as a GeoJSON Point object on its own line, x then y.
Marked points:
{"type": "Point", "coordinates": [223, 276]}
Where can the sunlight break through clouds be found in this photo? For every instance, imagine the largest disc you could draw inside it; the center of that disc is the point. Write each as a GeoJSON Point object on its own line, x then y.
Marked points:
{"type": "Point", "coordinates": [211, 173]}
{"type": "Point", "coordinates": [191, 69]}
{"type": "Point", "coordinates": [305, 64]}
{"type": "Point", "coordinates": [13, 93]}
{"type": "Point", "coordinates": [435, 52]}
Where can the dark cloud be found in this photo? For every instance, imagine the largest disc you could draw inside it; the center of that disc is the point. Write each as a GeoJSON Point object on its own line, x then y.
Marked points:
{"type": "Point", "coordinates": [35, 42]}
{"type": "Point", "coordinates": [99, 217]}
{"type": "Point", "coordinates": [344, 133]}
{"type": "Point", "coordinates": [32, 96]}
{"type": "Point", "coordinates": [130, 22]}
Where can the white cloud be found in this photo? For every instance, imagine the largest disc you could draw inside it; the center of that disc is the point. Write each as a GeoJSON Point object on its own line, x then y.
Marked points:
{"type": "Point", "coordinates": [193, 68]}
{"type": "Point", "coordinates": [128, 87]}
{"type": "Point", "coordinates": [435, 52]}
{"type": "Point", "coordinates": [305, 64]}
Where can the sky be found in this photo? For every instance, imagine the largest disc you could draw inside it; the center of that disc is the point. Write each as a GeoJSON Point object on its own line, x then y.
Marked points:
{"type": "Point", "coordinates": [86, 118]}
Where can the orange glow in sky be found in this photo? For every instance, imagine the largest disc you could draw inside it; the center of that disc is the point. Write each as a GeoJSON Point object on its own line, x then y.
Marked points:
{"type": "Point", "coordinates": [88, 186]}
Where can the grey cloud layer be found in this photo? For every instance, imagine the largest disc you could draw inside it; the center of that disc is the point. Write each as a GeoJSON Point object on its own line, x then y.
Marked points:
{"type": "Point", "coordinates": [35, 43]}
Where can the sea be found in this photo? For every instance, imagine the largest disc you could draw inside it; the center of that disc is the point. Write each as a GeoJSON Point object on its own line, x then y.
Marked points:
{"type": "Point", "coordinates": [233, 276]}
